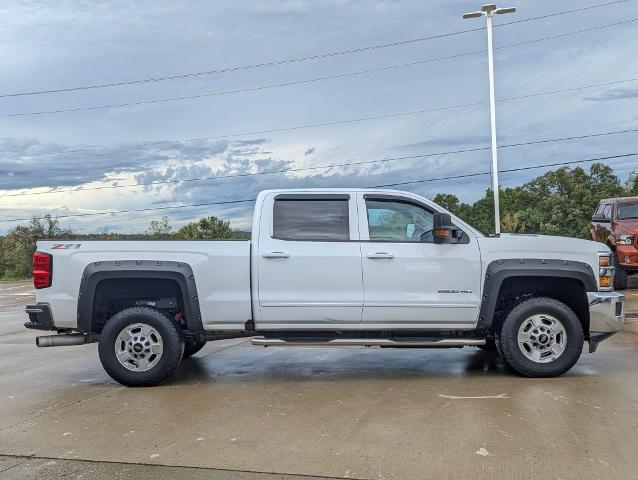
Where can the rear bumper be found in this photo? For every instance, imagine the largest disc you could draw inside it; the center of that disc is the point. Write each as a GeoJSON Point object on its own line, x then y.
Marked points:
{"type": "Point", "coordinates": [40, 317]}
{"type": "Point", "coordinates": [606, 316]}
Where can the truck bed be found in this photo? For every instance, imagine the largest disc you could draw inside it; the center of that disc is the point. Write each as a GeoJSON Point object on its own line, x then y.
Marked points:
{"type": "Point", "coordinates": [221, 269]}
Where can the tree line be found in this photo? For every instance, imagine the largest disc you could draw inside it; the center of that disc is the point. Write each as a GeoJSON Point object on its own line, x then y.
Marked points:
{"type": "Point", "coordinates": [560, 202]}
{"type": "Point", "coordinates": [18, 245]}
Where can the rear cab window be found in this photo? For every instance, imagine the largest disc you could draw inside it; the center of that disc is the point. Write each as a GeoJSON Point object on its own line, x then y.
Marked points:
{"type": "Point", "coordinates": [312, 218]}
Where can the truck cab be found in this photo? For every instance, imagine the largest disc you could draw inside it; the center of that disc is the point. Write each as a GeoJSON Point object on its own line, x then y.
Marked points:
{"type": "Point", "coordinates": [330, 267]}
{"type": "Point", "coordinates": [349, 258]}
{"type": "Point", "coordinates": [615, 223]}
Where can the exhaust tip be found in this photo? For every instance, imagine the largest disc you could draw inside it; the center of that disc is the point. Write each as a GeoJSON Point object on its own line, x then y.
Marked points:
{"type": "Point", "coordinates": [65, 340]}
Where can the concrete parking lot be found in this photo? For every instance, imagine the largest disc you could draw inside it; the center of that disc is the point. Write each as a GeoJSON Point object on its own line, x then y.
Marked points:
{"type": "Point", "coordinates": [240, 412]}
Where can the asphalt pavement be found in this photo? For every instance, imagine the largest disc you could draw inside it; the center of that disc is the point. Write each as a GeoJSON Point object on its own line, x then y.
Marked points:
{"type": "Point", "coordinates": [235, 411]}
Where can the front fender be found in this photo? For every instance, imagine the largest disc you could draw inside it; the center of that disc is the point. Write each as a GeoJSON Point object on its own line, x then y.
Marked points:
{"type": "Point", "coordinates": [500, 270]}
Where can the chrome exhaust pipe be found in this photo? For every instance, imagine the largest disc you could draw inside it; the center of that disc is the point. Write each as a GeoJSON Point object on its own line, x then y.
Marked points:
{"type": "Point", "coordinates": [66, 339]}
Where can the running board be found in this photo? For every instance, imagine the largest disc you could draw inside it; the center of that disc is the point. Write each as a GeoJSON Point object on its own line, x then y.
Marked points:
{"type": "Point", "coordinates": [370, 342]}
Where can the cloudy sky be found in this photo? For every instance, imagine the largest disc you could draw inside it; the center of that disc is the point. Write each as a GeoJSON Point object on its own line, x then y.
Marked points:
{"type": "Point", "coordinates": [243, 121]}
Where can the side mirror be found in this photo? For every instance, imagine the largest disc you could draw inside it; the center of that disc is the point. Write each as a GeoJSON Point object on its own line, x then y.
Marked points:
{"type": "Point", "coordinates": [444, 231]}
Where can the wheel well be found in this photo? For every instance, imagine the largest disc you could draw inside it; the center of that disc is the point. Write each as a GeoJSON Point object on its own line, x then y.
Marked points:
{"type": "Point", "coordinates": [113, 295]}
{"type": "Point", "coordinates": [514, 290]}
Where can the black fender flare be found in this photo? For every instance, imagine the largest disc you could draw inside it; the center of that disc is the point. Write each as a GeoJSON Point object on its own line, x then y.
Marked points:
{"type": "Point", "coordinates": [500, 270]}
{"type": "Point", "coordinates": [180, 272]}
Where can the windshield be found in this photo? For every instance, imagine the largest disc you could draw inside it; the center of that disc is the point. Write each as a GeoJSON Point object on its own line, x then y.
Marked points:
{"type": "Point", "coordinates": [628, 210]}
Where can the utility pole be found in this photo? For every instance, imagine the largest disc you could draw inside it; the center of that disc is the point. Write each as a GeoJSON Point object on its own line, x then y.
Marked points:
{"type": "Point", "coordinates": [488, 11]}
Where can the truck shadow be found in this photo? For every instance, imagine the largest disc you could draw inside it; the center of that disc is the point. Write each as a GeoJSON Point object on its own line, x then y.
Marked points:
{"type": "Point", "coordinates": [305, 364]}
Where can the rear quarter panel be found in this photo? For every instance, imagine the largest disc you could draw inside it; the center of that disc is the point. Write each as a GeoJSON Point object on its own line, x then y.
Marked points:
{"type": "Point", "coordinates": [221, 269]}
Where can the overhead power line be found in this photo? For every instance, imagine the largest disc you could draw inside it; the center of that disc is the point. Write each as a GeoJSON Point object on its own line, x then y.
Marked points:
{"type": "Point", "coordinates": [296, 82]}
{"type": "Point", "coordinates": [317, 167]}
{"type": "Point", "coordinates": [250, 66]}
{"type": "Point", "coordinates": [297, 59]}
{"type": "Point", "coordinates": [230, 202]}
{"type": "Point", "coordinates": [314, 125]}
{"type": "Point", "coordinates": [564, 12]}
{"type": "Point", "coordinates": [565, 34]}
{"type": "Point", "coordinates": [509, 170]}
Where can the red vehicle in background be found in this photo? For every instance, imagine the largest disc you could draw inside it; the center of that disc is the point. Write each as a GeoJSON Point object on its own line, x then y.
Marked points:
{"type": "Point", "coordinates": [615, 223]}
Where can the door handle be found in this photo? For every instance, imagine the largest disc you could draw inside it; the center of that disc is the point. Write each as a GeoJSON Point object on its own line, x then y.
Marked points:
{"type": "Point", "coordinates": [380, 256]}
{"type": "Point", "coordinates": [275, 255]}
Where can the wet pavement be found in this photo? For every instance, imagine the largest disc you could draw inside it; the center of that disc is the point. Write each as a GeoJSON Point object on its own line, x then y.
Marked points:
{"type": "Point", "coordinates": [235, 411]}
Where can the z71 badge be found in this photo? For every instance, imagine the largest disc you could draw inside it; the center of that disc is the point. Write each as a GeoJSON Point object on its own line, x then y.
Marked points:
{"type": "Point", "coordinates": [65, 246]}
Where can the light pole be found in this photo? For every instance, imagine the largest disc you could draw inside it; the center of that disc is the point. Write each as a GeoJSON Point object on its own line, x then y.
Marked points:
{"type": "Point", "coordinates": [488, 11]}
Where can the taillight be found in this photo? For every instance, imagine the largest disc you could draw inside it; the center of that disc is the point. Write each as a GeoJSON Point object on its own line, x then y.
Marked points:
{"type": "Point", "coordinates": [42, 270]}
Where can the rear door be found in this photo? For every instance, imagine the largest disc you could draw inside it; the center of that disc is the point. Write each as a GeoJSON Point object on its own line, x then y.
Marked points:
{"type": "Point", "coordinates": [408, 281]}
{"type": "Point", "coordinates": [309, 261]}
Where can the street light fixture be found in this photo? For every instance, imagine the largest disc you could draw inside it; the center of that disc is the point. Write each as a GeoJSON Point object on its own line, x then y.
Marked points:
{"type": "Point", "coordinates": [488, 11]}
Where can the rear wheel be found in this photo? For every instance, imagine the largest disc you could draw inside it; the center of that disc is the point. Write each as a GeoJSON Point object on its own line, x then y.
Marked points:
{"type": "Point", "coordinates": [541, 337]}
{"type": "Point", "coordinates": [140, 347]}
{"type": "Point", "coordinates": [620, 275]}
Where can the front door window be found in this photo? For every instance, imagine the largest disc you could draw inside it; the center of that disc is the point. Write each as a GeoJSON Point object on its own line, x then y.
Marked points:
{"type": "Point", "coordinates": [398, 221]}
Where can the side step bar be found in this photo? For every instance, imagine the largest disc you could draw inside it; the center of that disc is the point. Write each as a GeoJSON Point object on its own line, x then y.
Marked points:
{"type": "Point", "coordinates": [370, 342]}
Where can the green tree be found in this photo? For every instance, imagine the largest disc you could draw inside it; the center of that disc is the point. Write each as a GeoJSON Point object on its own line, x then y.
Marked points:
{"type": "Point", "coordinates": [451, 202]}
{"type": "Point", "coordinates": [160, 228]}
{"type": "Point", "coordinates": [448, 201]}
{"type": "Point", "coordinates": [19, 244]}
{"type": "Point", "coordinates": [560, 202]}
{"type": "Point", "coordinates": [631, 186]}
{"type": "Point", "coordinates": [206, 228]}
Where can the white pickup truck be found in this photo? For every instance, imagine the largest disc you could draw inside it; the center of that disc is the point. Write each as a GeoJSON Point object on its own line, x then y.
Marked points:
{"type": "Point", "coordinates": [329, 267]}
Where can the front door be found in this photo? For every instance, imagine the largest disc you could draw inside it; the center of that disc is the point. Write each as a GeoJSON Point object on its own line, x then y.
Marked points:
{"type": "Point", "coordinates": [408, 281]}
{"type": "Point", "coordinates": [309, 262]}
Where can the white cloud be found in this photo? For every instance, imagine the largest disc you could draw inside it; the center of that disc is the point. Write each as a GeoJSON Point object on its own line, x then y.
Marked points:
{"type": "Point", "coordinates": [53, 44]}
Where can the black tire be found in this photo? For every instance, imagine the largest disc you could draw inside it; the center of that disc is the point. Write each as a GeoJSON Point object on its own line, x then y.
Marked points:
{"type": "Point", "coordinates": [172, 343]}
{"type": "Point", "coordinates": [620, 275]}
{"type": "Point", "coordinates": [512, 352]}
{"type": "Point", "coordinates": [191, 348]}
{"type": "Point", "coordinates": [499, 349]}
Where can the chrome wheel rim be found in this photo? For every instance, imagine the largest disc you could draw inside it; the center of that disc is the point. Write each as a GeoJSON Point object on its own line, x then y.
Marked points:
{"type": "Point", "coordinates": [139, 347]}
{"type": "Point", "coordinates": [542, 338]}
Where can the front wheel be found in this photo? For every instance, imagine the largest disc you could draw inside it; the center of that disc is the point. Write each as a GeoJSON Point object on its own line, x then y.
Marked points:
{"type": "Point", "coordinates": [140, 347]}
{"type": "Point", "coordinates": [541, 337]}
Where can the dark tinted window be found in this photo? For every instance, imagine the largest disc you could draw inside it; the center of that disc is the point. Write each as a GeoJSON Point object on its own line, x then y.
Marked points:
{"type": "Point", "coordinates": [628, 210]}
{"type": "Point", "coordinates": [311, 220]}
